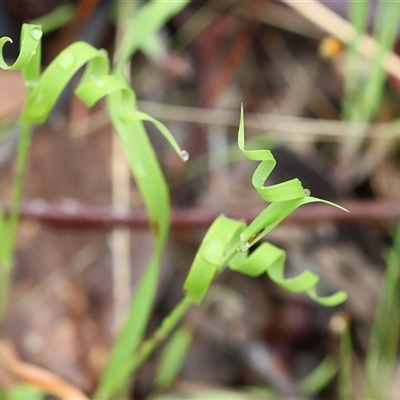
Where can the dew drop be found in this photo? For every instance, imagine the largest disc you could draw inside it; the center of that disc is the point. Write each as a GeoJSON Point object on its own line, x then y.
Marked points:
{"type": "Point", "coordinates": [36, 33]}
{"type": "Point", "coordinates": [33, 52]}
{"type": "Point", "coordinates": [244, 246]}
{"type": "Point", "coordinates": [100, 83]}
{"type": "Point", "coordinates": [307, 192]}
{"type": "Point", "coordinates": [22, 41]}
{"type": "Point", "coordinates": [184, 155]}
{"type": "Point", "coordinates": [66, 61]}
{"type": "Point", "coordinates": [31, 84]}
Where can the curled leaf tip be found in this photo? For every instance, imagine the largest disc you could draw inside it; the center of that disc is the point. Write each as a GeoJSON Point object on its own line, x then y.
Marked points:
{"type": "Point", "coordinates": [284, 198]}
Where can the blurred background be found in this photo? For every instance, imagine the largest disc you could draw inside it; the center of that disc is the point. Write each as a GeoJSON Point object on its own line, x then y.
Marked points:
{"type": "Point", "coordinates": [328, 107]}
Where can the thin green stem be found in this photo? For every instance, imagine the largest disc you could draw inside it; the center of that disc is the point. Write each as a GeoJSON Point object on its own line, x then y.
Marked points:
{"type": "Point", "coordinates": [5, 277]}
{"type": "Point", "coordinates": [166, 327]}
{"type": "Point", "coordinates": [231, 253]}
{"type": "Point", "coordinates": [148, 346]}
{"type": "Point", "coordinates": [146, 349]}
{"type": "Point", "coordinates": [169, 323]}
{"type": "Point", "coordinates": [22, 153]}
{"type": "Point", "coordinates": [345, 385]}
{"type": "Point", "coordinates": [12, 222]}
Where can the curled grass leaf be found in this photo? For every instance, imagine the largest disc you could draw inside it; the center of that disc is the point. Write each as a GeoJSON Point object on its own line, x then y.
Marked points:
{"type": "Point", "coordinates": [284, 197]}
{"type": "Point", "coordinates": [55, 78]}
{"type": "Point", "coordinates": [269, 259]}
{"type": "Point", "coordinates": [30, 40]}
{"type": "Point", "coordinates": [227, 241]}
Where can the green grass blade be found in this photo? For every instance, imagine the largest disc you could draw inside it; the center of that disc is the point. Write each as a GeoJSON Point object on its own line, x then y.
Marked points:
{"type": "Point", "coordinates": [141, 116]}
{"type": "Point", "coordinates": [57, 75]}
{"type": "Point", "coordinates": [127, 121]}
{"type": "Point", "coordinates": [320, 377]}
{"type": "Point", "coordinates": [210, 255]}
{"type": "Point", "coordinates": [24, 392]}
{"type": "Point", "coordinates": [387, 23]}
{"type": "Point", "coordinates": [364, 89]}
{"type": "Point", "coordinates": [381, 356]}
{"type": "Point", "coordinates": [271, 260]}
{"type": "Point", "coordinates": [56, 18]}
{"type": "Point", "coordinates": [116, 374]}
{"type": "Point", "coordinates": [95, 84]}
{"type": "Point", "coordinates": [172, 357]}
{"type": "Point", "coordinates": [148, 346]}
{"type": "Point", "coordinates": [153, 188]}
{"type": "Point", "coordinates": [345, 386]}
{"type": "Point", "coordinates": [3, 235]}
{"type": "Point", "coordinates": [147, 20]}
{"type": "Point", "coordinates": [285, 198]}
{"type": "Point", "coordinates": [358, 16]}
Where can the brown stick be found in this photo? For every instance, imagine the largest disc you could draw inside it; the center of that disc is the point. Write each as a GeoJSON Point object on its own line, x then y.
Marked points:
{"type": "Point", "coordinates": [36, 376]}
{"type": "Point", "coordinates": [80, 215]}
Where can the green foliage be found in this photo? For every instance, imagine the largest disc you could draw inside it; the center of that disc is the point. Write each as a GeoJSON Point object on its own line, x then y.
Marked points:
{"type": "Point", "coordinates": [381, 354]}
{"type": "Point", "coordinates": [317, 380]}
{"type": "Point", "coordinates": [363, 89]}
{"type": "Point", "coordinates": [345, 383]}
{"type": "Point", "coordinates": [24, 392]}
{"type": "Point", "coordinates": [365, 79]}
{"type": "Point", "coordinates": [172, 357]}
{"type": "Point", "coordinates": [226, 243]}
{"type": "Point", "coordinates": [382, 351]}
{"type": "Point", "coordinates": [97, 82]}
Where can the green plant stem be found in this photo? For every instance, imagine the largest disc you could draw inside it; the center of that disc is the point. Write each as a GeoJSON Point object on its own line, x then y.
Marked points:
{"type": "Point", "coordinates": [6, 266]}
{"type": "Point", "coordinates": [12, 223]}
{"type": "Point", "coordinates": [5, 277]}
{"type": "Point", "coordinates": [22, 153]}
{"type": "Point", "coordinates": [380, 363]}
{"type": "Point", "coordinates": [147, 348]}
{"type": "Point", "coordinates": [345, 371]}
{"type": "Point", "coordinates": [169, 323]}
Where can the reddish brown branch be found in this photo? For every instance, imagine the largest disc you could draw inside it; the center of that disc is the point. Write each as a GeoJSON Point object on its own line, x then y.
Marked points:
{"type": "Point", "coordinates": [80, 215]}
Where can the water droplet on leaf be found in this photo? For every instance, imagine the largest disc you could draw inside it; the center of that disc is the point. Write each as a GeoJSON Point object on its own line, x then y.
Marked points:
{"type": "Point", "coordinates": [184, 155]}
{"type": "Point", "coordinates": [244, 246]}
{"type": "Point", "coordinates": [36, 33]}
{"type": "Point", "coordinates": [67, 60]}
{"type": "Point", "coordinates": [100, 83]}
{"type": "Point", "coordinates": [31, 84]}
{"type": "Point", "coordinates": [307, 192]}
{"type": "Point", "coordinates": [33, 52]}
